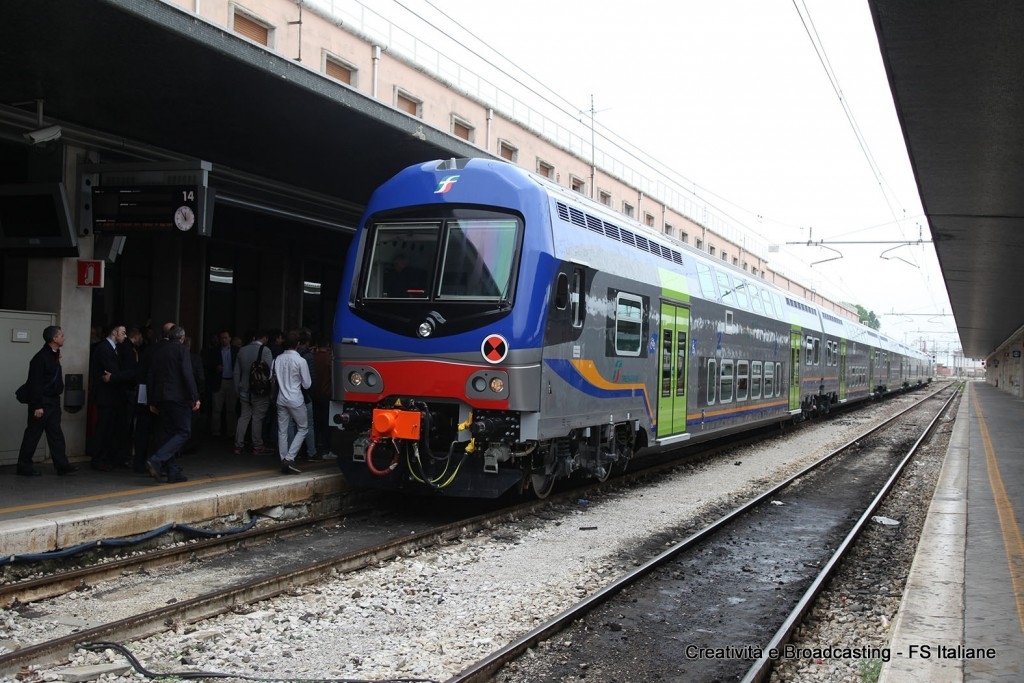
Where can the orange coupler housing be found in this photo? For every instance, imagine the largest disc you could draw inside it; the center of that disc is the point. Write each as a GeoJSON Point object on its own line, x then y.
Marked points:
{"type": "Point", "coordinates": [395, 424]}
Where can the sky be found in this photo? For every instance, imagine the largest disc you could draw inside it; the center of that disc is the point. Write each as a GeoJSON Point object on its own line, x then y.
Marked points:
{"type": "Point", "coordinates": [732, 98]}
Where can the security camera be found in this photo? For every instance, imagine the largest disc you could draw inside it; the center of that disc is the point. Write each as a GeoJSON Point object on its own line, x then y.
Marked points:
{"type": "Point", "coordinates": [43, 134]}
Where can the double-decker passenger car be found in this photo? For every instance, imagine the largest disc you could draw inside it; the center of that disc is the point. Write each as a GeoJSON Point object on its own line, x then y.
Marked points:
{"type": "Point", "coordinates": [498, 332]}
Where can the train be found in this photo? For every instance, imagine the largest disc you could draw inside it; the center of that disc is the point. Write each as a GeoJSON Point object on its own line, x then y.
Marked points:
{"type": "Point", "coordinates": [496, 333]}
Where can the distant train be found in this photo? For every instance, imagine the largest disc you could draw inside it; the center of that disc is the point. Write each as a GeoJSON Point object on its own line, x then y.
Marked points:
{"type": "Point", "coordinates": [498, 332]}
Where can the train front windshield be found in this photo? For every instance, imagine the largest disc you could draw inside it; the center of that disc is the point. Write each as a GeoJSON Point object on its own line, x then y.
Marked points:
{"type": "Point", "coordinates": [455, 259]}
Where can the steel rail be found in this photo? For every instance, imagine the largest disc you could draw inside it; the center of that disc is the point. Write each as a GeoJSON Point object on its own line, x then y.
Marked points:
{"type": "Point", "coordinates": [483, 670]}
{"type": "Point", "coordinates": [763, 666]}
{"type": "Point", "coordinates": [61, 582]}
{"type": "Point", "coordinates": [218, 602]}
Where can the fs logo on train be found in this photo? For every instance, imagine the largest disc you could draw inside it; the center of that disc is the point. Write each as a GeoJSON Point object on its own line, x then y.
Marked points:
{"type": "Point", "coordinates": [494, 349]}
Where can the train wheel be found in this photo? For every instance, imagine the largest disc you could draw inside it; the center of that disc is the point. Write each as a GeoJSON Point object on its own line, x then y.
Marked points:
{"type": "Point", "coordinates": [603, 470]}
{"type": "Point", "coordinates": [542, 479]}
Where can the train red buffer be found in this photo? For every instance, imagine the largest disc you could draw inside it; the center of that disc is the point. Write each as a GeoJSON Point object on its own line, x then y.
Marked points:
{"type": "Point", "coordinates": [395, 424]}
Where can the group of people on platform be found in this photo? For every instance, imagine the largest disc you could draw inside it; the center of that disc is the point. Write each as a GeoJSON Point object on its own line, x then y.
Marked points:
{"type": "Point", "coordinates": [146, 398]}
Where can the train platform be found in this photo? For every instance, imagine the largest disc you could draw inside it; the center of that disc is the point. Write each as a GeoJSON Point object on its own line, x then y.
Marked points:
{"type": "Point", "coordinates": [962, 613]}
{"type": "Point", "coordinates": [49, 512]}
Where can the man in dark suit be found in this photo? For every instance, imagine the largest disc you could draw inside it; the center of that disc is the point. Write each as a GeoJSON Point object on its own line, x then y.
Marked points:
{"type": "Point", "coordinates": [106, 379]}
{"type": "Point", "coordinates": [173, 394]}
{"type": "Point", "coordinates": [219, 363]}
{"type": "Point", "coordinates": [45, 385]}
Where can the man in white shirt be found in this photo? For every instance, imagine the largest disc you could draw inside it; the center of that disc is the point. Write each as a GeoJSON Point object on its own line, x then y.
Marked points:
{"type": "Point", "coordinates": [291, 373]}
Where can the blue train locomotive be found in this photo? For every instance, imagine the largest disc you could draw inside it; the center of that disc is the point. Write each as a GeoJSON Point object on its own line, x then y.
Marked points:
{"type": "Point", "coordinates": [498, 332]}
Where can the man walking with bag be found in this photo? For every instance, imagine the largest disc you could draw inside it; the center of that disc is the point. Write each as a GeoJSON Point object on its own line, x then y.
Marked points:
{"type": "Point", "coordinates": [44, 386]}
{"type": "Point", "coordinates": [252, 380]}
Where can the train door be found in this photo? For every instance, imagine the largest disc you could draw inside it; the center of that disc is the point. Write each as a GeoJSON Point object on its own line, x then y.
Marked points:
{"type": "Point", "coordinates": [795, 349]}
{"type": "Point", "coordinates": [675, 327]}
{"type": "Point", "coordinates": [842, 370]}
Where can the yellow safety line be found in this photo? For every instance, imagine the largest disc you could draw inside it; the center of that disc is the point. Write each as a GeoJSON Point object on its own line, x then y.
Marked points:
{"type": "Point", "coordinates": [1012, 540]}
{"type": "Point", "coordinates": [130, 492]}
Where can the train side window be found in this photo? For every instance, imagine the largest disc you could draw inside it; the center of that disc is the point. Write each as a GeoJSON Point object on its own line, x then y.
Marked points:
{"type": "Point", "coordinates": [769, 379]}
{"type": "Point", "coordinates": [681, 364]}
{"type": "Point", "coordinates": [562, 291]}
{"type": "Point", "coordinates": [576, 297]}
{"type": "Point", "coordinates": [755, 300]}
{"type": "Point", "coordinates": [628, 325]}
{"type": "Point", "coordinates": [728, 296]}
{"type": "Point", "coordinates": [828, 352]}
{"type": "Point", "coordinates": [740, 290]}
{"type": "Point", "coordinates": [778, 384]}
{"type": "Point", "coordinates": [755, 379]}
{"type": "Point", "coordinates": [726, 382]}
{"type": "Point", "coordinates": [666, 363]}
{"type": "Point", "coordinates": [707, 283]}
{"type": "Point", "coordinates": [809, 351]}
{"type": "Point", "coordinates": [742, 380]}
{"type": "Point", "coordinates": [712, 381]}
{"type": "Point", "coordinates": [817, 351]}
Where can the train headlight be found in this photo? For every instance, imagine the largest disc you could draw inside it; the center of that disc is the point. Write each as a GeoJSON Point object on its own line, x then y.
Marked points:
{"type": "Point", "coordinates": [355, 378]}
{"type": "Point", "coordinates": [372, 379]}
{"type": "Point", "coordinates": [479, 384]}
{"type": "Point", "coordinates": [497, 385]}
{"type": "Point", "coordinates": [425, 329]}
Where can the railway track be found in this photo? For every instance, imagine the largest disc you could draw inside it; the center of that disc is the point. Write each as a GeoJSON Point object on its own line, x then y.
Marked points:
{"type": "Point", "coordinates": [216, 602]}
{"type": "Point", "coordinates": [738, 572]}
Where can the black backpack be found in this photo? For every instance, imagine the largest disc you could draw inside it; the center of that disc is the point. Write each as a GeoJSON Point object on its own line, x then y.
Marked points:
{"type": "Point", "coordinates": [259, 376]}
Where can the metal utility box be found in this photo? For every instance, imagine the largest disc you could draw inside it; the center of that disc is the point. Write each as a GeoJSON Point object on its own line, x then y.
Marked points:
{"type": "Point", "coordinates": [21, 335]}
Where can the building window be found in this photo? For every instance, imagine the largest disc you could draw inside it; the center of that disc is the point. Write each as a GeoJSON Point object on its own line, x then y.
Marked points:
{"type": "Point", "coordinates": [507, 151]}
{"type": "Point", "coordinates": [725, 257]}
{"type": "Point", "coordinates": [461, 128]}
{"type": "Point", "coordinates": [252, 28]}
{"type": "Point", "coordinates": [545, 169]}
{"type": "Point", "coordinates": [605, 198]}
{"type": "Point", "coordinates": [711, 250]}
{"type": "Point", "coordinates": [627, 209]}
{"type": "Point", "coordinates": [745, 266]}
{"type": "Point", "coordinates": [684, 238]}
{"type": "Point", "coordinates": [340, 70]}
{"type": "Point", "coordinates": [669, 230]}
{"type": "Point", "coordinates": [577, 184]}
{"type": "Point", "coordinates": [736, 262]}
{"type": "Point", "coordinates": [648, 220]}
{"type": "Point", "coordinates": [699, 243]}
{"type": "Point", "coordinates": [407, 103]}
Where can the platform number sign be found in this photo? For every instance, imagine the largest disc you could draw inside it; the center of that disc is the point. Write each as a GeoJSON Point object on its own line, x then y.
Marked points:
{"type": "Point", "coordinates": [494, 348]}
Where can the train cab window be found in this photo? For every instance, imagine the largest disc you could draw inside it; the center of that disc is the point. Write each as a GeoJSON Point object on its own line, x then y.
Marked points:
{"type": "Point", "coordinates": [755, 379]}
{"type": "Point", "coordinates": [769, 379]}
{"type": "Point", "coordinates": [397, 252]}
{"type": "Point", "coordinates": [742, 380]}
{"type": "Point", "coordinates": [576, 297]}
{"type": "Point", "coordinates": [712, 381]}
{"type": "Point", "coordinates": [779, 375]}
{"type": "Point", "coordinates": [628, 325]}
{"type": "Point", "coordinates": [561, 291]}
{"type": "Point", "coordinates": [477, 259]}
{"type": "Point", "coordinates": [725, 385]}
